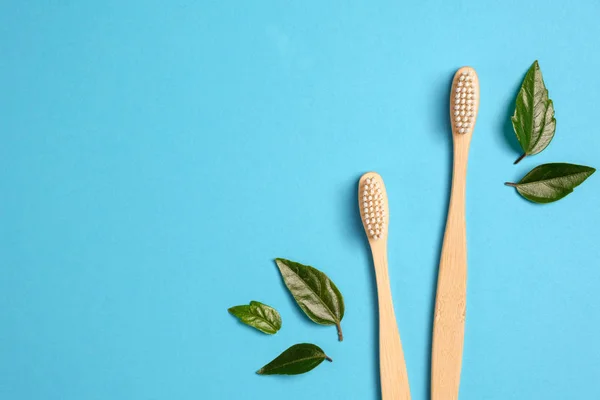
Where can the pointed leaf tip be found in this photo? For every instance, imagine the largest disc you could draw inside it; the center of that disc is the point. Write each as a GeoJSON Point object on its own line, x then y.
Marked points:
{"type": "Point", "coordinates": [258, 315]}
{"type": "Point", "coordinates": [314, 293]}
{"type": "Point", "coordinates": [298, 359]}
{"type": "Point", "coordinates": [551, 182]}
{"type": "Point", "coordinates": [533, 120]}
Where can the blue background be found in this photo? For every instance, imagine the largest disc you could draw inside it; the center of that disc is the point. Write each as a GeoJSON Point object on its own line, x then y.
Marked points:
{"type": "Point", "coordinates": [156, 156]}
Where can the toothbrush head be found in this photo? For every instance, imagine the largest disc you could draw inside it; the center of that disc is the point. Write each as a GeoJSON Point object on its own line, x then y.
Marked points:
{"type": "Point", "coordinates": [372, 201]}
{"type": "Point", "coordinates": [464, 101]}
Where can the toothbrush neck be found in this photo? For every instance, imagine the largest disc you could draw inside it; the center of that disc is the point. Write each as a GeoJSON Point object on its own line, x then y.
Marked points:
{"type": "Point", "coordinates": [379, 253]}
{"type": "Point", "coordinates": [459, 174]}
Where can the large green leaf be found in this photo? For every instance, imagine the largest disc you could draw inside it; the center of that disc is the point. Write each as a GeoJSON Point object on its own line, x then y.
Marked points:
{"type": "Point", "coordinates": [551, 182]}
{"type": "Point", "coordinates": [314, 292]}
{"type": "Point", "coordinates": [298, 359]}
{"type": "Point", "coordinates": [258, 315]}
{"type": "Point", "coordinates": [533, 121]}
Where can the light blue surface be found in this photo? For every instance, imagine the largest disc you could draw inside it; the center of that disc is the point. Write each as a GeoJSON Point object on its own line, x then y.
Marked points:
{"type": "Point", "coordinates": [155, 156]}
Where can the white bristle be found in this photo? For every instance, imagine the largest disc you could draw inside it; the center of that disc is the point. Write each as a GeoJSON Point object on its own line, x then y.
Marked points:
{"type": "Point", "coordinates": [372, 207]}
{"type": "Point", "coordinates": [464, 101]}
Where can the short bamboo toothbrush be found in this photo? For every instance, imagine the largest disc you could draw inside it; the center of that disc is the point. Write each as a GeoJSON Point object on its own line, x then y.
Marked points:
{"type": "Point", "coordinates": [373, 205]}
{"type": "Point", "coordinates": [450, 305]}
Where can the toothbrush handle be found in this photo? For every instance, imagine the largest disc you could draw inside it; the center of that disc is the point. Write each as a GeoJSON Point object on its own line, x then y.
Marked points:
{"type": "Point", "coordinates": [392, 367]}
{"type": "Point", "coordinates": [450, 305]}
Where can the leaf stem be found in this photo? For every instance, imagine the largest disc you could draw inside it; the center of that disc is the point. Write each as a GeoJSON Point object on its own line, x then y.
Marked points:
{"type": "Point", "coordinates": [339, 330]}
{"type": "Point", "coordinates": [520, 158]}
{"type": "Point", "coordinates": [328, 358]}
{"type": "Point", "coordinates": [510, 184]}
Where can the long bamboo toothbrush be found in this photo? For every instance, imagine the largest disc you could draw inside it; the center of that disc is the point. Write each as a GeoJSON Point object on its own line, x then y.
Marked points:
{"type": "Point", "coordinates": [372, 199]}
{"type": "Point", "coordinates": [450, 305]}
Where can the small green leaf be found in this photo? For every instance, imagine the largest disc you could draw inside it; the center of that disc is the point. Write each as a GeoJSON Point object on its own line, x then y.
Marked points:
{"type": "Point", "coordinates": [298, 359]}
{"type": "Point", "coordinates": [551, 182]}
{"type": "Point", "coordinates": [314, 292]}
{"type": "Point", "coordinates": [533, 121]}
{"type": "Point", "coordinates": [258, 315]}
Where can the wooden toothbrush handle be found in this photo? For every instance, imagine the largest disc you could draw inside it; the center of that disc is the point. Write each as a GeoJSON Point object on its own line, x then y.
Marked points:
{"type": "Point", "coordinates": [450, 304]}
{"type": "Point", "coordinates": [392, 367]}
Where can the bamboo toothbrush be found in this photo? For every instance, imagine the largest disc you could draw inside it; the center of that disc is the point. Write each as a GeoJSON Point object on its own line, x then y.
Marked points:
{"type": "Point", "coordinates": [450, 305]}
{"type": "Point", "coordinates": [372, 201]}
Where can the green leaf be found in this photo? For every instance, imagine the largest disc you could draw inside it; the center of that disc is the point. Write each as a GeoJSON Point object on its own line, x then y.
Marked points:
{"type": "Point", "coordinates": [551, 182]}
{"type": "Point", "coordinates": [258, 315]}
{"type": "Point", "coordinates": [314, 292]}
{"type": "Point", "coordinates": [298, 359]}
{"type": "Point", "coordinates": [533, 121]}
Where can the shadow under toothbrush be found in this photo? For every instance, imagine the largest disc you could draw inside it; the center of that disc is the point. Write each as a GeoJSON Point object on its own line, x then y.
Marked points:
{"type": "Point", "coordinates": [358, 232]}
{"type": "Point", "coordinates": [375, 326]}
{"type": "Point", "coordinates": [350, 196]}
{"type": "Point", "coordinates": [442, 114]}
